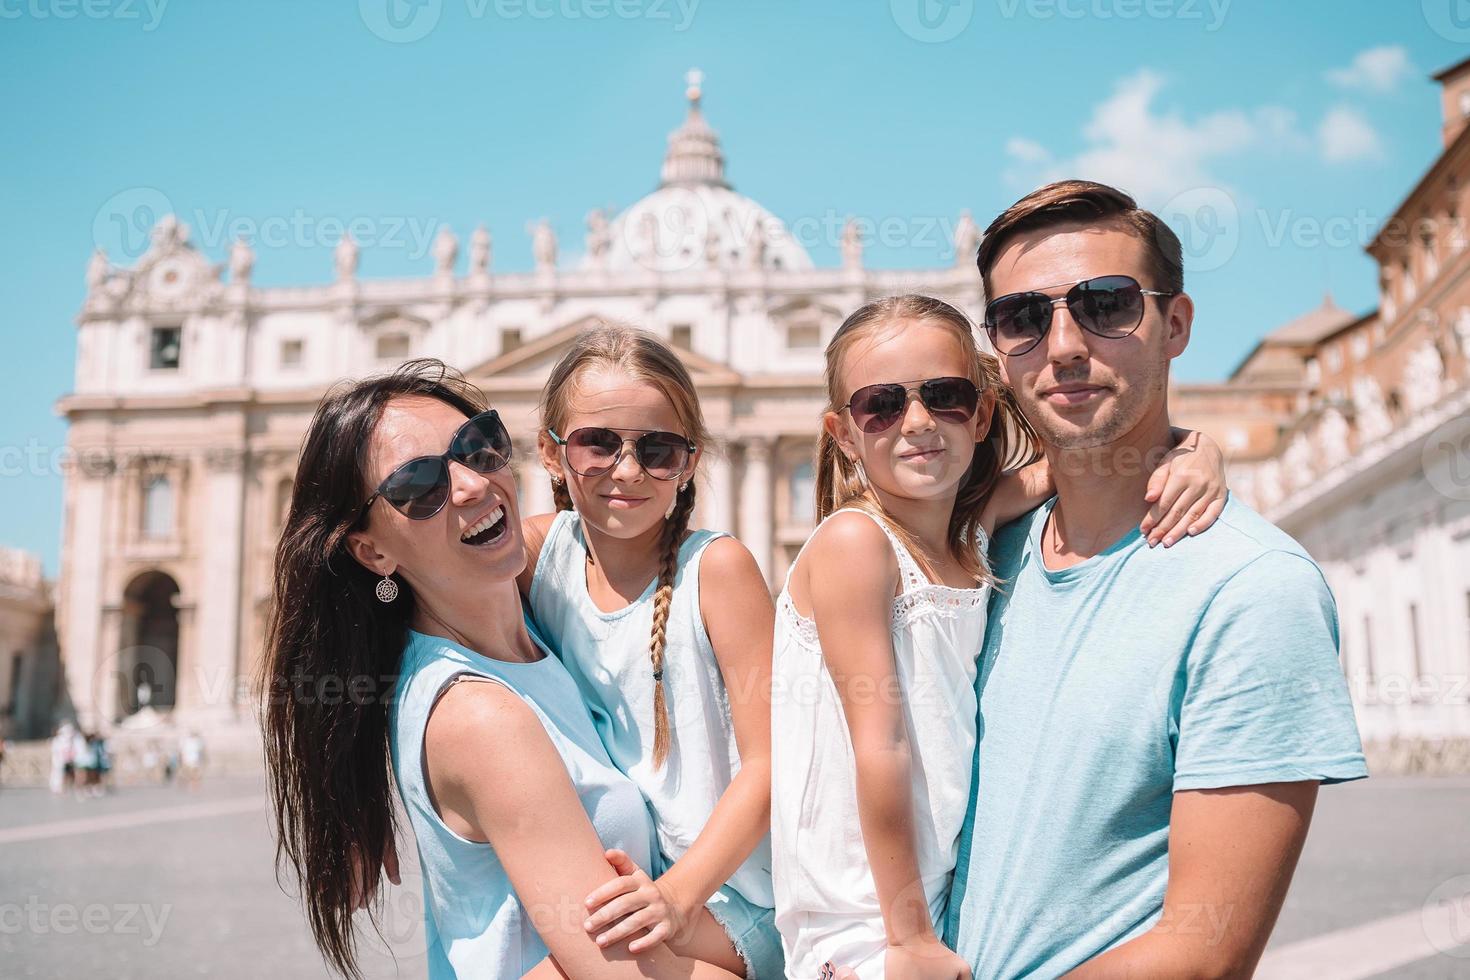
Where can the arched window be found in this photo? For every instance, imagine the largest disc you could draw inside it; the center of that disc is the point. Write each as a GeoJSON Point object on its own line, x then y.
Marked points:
{"type": "Point", "coordinates": [158, 507]}
{"type": "Point", "coordinates": [392, 346]}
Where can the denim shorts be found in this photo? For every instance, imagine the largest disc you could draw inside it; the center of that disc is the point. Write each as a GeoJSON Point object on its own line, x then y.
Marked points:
{"type": "Point", "coordinates": [752, 929]}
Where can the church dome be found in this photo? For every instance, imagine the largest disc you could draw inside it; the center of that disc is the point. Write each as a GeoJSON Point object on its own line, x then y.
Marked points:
{"type": "Point", "coordinates": [694, 220]}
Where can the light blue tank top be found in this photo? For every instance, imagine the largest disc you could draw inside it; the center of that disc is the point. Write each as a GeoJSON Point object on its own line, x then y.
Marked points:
{"type": "Point", "coordinates": [474, 924]}
{"type": "Point", "coordinates": [607, 654]}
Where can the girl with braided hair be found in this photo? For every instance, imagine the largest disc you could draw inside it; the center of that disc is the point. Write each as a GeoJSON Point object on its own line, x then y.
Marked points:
{"type": "Point", "coordinates": [667, 631]}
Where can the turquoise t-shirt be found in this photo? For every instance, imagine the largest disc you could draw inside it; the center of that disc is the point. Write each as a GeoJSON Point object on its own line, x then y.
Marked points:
{"type": "Point", "coordinates": [1105, 688]}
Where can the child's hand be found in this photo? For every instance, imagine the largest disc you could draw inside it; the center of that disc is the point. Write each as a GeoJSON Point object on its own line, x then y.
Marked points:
{"type": "Point", "coordinates": [365, 883]}
{"type": "Point", "coordinates": [630, 904]}
{"type": "Point", "coordinates": [927, 959]}
{"type": "Point", "coordinates": [1187, 490]}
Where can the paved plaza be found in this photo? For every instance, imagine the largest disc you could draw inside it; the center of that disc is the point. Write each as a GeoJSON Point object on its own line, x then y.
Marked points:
{"type": "Point", "coordinates": [162, 882]}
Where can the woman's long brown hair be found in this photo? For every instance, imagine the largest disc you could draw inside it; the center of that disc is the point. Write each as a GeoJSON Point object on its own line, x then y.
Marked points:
{"type": "Point", "coordinates": [640, 355]}
{"type": "Point", "coordinates": [1009, 443]}
{"type": "Point", "coordinates": [326, 740]}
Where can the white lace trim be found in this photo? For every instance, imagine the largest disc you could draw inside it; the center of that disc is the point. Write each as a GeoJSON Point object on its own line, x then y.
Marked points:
{"type": "Point", "coordinates": [942, 601]}
{"type": "Point", "coordinates": [919, 599]}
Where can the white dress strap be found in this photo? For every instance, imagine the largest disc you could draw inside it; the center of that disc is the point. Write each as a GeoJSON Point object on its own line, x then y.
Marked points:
{"type": "Point", "coordinates": [910, 575]}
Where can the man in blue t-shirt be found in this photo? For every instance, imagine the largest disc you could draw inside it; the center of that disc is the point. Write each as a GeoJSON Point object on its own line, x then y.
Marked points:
{"type": "Point", "coordinates": [1154, 723]}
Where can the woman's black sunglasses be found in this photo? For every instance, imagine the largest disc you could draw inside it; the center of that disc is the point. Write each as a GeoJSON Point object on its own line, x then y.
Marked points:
{"type": "Point", "coordinates": [419, 488]}
{"type": "Point", "coordinates": [1107, 306]}
{"type": "Point", "coordinates": [877, 407]}
{"type": "Point", "coordinates": [595, 450]}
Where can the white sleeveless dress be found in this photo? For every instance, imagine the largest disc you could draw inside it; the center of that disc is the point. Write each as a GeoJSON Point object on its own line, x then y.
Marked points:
{"type": "Point", "coordinates": [827, 905]}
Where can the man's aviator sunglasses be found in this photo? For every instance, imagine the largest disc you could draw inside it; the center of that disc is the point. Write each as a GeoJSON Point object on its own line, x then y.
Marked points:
{"type": "Point", "coordinates": [419, 488]}
{"type": "Point", "coordinates": [1107, 306]}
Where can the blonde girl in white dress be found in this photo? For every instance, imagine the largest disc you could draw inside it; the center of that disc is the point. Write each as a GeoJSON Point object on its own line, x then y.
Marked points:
{"type": "Point", "coordinates": [877, 633]}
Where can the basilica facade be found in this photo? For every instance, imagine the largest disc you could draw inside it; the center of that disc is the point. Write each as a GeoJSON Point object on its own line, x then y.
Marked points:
{"type": "Point", "coordinates": [193, 389]}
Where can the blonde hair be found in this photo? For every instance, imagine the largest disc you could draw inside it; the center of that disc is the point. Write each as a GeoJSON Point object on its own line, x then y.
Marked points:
{"type": "Point", "coordinates": [641, 355]}
{"type": "Point", "coordinates": [1010, 441]}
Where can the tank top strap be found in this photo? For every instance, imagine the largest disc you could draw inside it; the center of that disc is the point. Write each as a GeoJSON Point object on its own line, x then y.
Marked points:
{"type": "Point", "coordinates": [910, 575]}
{"type": "Point", "coordinates": [561, 538]}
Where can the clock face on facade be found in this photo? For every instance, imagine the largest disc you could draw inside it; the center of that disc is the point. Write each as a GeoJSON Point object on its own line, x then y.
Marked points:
{"type": "Point", "coordinates": [169, 279]}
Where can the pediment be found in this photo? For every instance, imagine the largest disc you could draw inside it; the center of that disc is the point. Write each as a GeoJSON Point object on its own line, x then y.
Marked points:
{"type": "Point", "coordinates": [530, 363]}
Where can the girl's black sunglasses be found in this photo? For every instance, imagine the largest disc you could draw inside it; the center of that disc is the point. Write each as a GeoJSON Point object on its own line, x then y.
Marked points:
{"type": "Point", "coordinates": [1107, 306]}
{"type": "Point", "coordinates": [419, 488]}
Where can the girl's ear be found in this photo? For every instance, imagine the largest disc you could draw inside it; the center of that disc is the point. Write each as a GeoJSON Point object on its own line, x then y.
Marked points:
{"type": "Point", "coordinates": [364, 551]}
{"type": "Point", "coordinates": [550, 455]}
{"type": "Point", "coordinates": [837, 428]}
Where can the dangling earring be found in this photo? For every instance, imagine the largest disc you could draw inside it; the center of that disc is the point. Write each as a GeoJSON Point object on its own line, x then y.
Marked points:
{"type": "Point", "coordinates": [387, 589]}
{"type": "Point", "coordinates": [555, 481]}
{"type": "Point", "coordinates": [862, 474]}
{"type": "Point", "coordinates": [675, 503]}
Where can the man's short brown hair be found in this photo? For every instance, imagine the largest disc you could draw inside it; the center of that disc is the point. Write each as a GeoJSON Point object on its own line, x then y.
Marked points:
{"type": "Point", "coordinates": [1068, 202]}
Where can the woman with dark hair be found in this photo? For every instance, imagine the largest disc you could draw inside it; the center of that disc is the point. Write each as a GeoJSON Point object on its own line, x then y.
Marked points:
{"type": "Point", "coordinates": [397, 643]}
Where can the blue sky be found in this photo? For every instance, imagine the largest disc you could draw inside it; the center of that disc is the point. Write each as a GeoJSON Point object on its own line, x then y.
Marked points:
{"type": "Point", "coordinates": [1278, 136]}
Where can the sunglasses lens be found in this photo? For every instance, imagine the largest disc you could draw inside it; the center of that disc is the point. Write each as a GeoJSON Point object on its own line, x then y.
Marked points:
{"type": "Point", "coordinates": [877, 407]}
{"type": "Point", "coordinates": [1017, 322]}
{"type": "Point", "coordinates": [591, 451]}
{"type": "Point", "coordinates": [1109, 306]}
{"type": "Point", "coordinates": [663, 455]}
{"type": "Point", "coordinates": [418, 488]}
{"type": "Point", "coordinates": [950, 399]}
{"type": "Point", "coordinates": [483, 444]}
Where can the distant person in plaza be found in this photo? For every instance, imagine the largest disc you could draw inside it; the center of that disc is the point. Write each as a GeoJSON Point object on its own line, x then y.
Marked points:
{"type": "Point", "coordinates": [1153, 724]}
{"type": "Point", "coordinates": [63, 758]}
{"type": "Point", "coordinates": [191, 760]}
{"type": "Point", "coordinates": [397, 567]}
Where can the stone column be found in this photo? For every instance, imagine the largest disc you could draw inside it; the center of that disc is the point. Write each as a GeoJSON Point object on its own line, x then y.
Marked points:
{"type": "Point", "coordinates": [99, 709]}
{"type": "Point", "coordinates": [755, 502]}
{"type": "Point", "coordinates": [209, 659]}
{"type": "Point", "coordinates": [717, 492]}
{"type": "Point", "coordinates": [83, 632]}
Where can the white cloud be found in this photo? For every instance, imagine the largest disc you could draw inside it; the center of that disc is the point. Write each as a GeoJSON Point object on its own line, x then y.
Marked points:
{"type": "Point", "coordinates": [1150, 153]}
{"type": "Point", "coordinates": [1375, 70]}
{"type": "Point", "coordinates": [1344, 136]}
